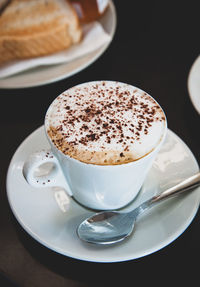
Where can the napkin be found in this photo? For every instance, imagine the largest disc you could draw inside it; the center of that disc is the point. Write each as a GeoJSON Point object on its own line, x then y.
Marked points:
{"type": "Point", "coordinates": [94, 37]}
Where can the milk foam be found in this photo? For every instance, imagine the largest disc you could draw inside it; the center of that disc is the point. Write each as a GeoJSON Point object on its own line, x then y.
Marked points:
{"type": "Point", "coordinates": [106, 117]}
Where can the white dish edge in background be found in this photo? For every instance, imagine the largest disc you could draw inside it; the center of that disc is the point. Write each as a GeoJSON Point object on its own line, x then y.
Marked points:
{"type": "Point", "coordinates": [39, 213]}
{"type": "Point", "coordinates": [49, 74]}
{"type": "Point", "coordinates": [194, 84]}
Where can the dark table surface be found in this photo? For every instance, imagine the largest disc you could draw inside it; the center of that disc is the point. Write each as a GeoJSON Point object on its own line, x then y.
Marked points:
{"type": "Point", "coordinates": [154, 47]}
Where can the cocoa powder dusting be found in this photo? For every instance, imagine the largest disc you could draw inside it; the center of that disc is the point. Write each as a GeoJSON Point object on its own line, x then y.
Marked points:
{"type": "Point", "coordinates": [107, 114]}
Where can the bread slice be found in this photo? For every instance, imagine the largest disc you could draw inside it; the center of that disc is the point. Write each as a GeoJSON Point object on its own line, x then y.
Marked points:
{"type": "Point", "coordinates": [32, 28]}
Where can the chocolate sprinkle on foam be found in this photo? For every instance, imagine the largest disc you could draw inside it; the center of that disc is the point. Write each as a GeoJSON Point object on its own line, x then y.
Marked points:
{"type": "Point", "coordinates": [105, 123]}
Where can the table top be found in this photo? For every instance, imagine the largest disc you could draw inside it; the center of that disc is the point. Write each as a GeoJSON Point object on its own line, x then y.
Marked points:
{"type": "Point", "coordinates": [154, 48]}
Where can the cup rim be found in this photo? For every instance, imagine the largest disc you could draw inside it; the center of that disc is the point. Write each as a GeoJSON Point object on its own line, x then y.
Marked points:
{"type": "Point", "coordinates": [114, 165]}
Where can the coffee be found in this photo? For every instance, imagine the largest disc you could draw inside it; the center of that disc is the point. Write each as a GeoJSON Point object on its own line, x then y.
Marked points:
{"type": "Point", "coordinates": [105, 123]}
{"type": "Point", "coordinates": [103, 138]}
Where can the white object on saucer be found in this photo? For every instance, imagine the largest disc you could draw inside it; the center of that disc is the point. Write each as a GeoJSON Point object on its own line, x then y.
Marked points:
{"type": "Point", "coordinates": [64, 64]}
{"type": "Point", "coordinates": [194, 84]}
{"type": "Point", "coordinates": [51, 217]}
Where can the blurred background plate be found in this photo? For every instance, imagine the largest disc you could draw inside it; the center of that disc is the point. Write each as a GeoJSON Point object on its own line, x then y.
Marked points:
{"type": "Point", "coordinates": [49, 74]}
{"type": "Point", "coordinates": [194, 84]}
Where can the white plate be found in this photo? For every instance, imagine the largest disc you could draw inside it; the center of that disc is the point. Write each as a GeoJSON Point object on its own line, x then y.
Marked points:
{"type": "Point", "coordinates": [194, 84]}
{"type": "Point", "coordinates": [53, 73]}
{"type": "Point", "coordinates": [40, 215]}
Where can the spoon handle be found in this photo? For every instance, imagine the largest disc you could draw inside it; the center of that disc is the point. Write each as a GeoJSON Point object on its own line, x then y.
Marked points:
{"type": "Point", "coordinates": [186, 185]}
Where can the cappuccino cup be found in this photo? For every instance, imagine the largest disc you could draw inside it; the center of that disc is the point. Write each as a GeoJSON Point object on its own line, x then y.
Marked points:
{"type": "Point", "coordinates": [104, 137]}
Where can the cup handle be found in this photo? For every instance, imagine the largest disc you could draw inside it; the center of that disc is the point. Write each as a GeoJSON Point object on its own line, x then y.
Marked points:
{"type": "Point", "coordinates": [37, 175]}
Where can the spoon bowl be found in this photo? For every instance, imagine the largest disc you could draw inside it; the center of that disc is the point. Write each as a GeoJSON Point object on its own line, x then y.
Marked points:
{"type": "Point", "coordinates": [106, 227]}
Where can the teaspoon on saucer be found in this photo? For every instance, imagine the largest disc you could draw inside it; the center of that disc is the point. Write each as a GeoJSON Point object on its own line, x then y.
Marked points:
{"type": "Point", "coordinates": [109, 227]}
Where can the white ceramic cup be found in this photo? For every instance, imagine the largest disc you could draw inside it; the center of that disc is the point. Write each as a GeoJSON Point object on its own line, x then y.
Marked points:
{"type": "Point", "coordinates": [94, 186]}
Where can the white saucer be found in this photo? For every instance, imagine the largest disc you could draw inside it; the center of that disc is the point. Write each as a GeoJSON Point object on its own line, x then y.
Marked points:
{"type": "Point", "coordinates": [38, 212]}
{"type": "Point", "coordinates": [53, 73]}
{"type": "Point", "coordinates": [194, 84]}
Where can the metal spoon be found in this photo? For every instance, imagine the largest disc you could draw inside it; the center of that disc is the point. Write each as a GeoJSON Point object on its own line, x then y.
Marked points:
{"type": "Point", "coordinates": [110, 227]}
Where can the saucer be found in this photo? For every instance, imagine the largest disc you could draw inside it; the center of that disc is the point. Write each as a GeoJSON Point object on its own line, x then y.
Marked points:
{"type": "Point", "coordinates": [48, 74]}
{"type": "Point", "coordinates": [194, 84]}
{"type": "Point", "coordinates": [51, 217]}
